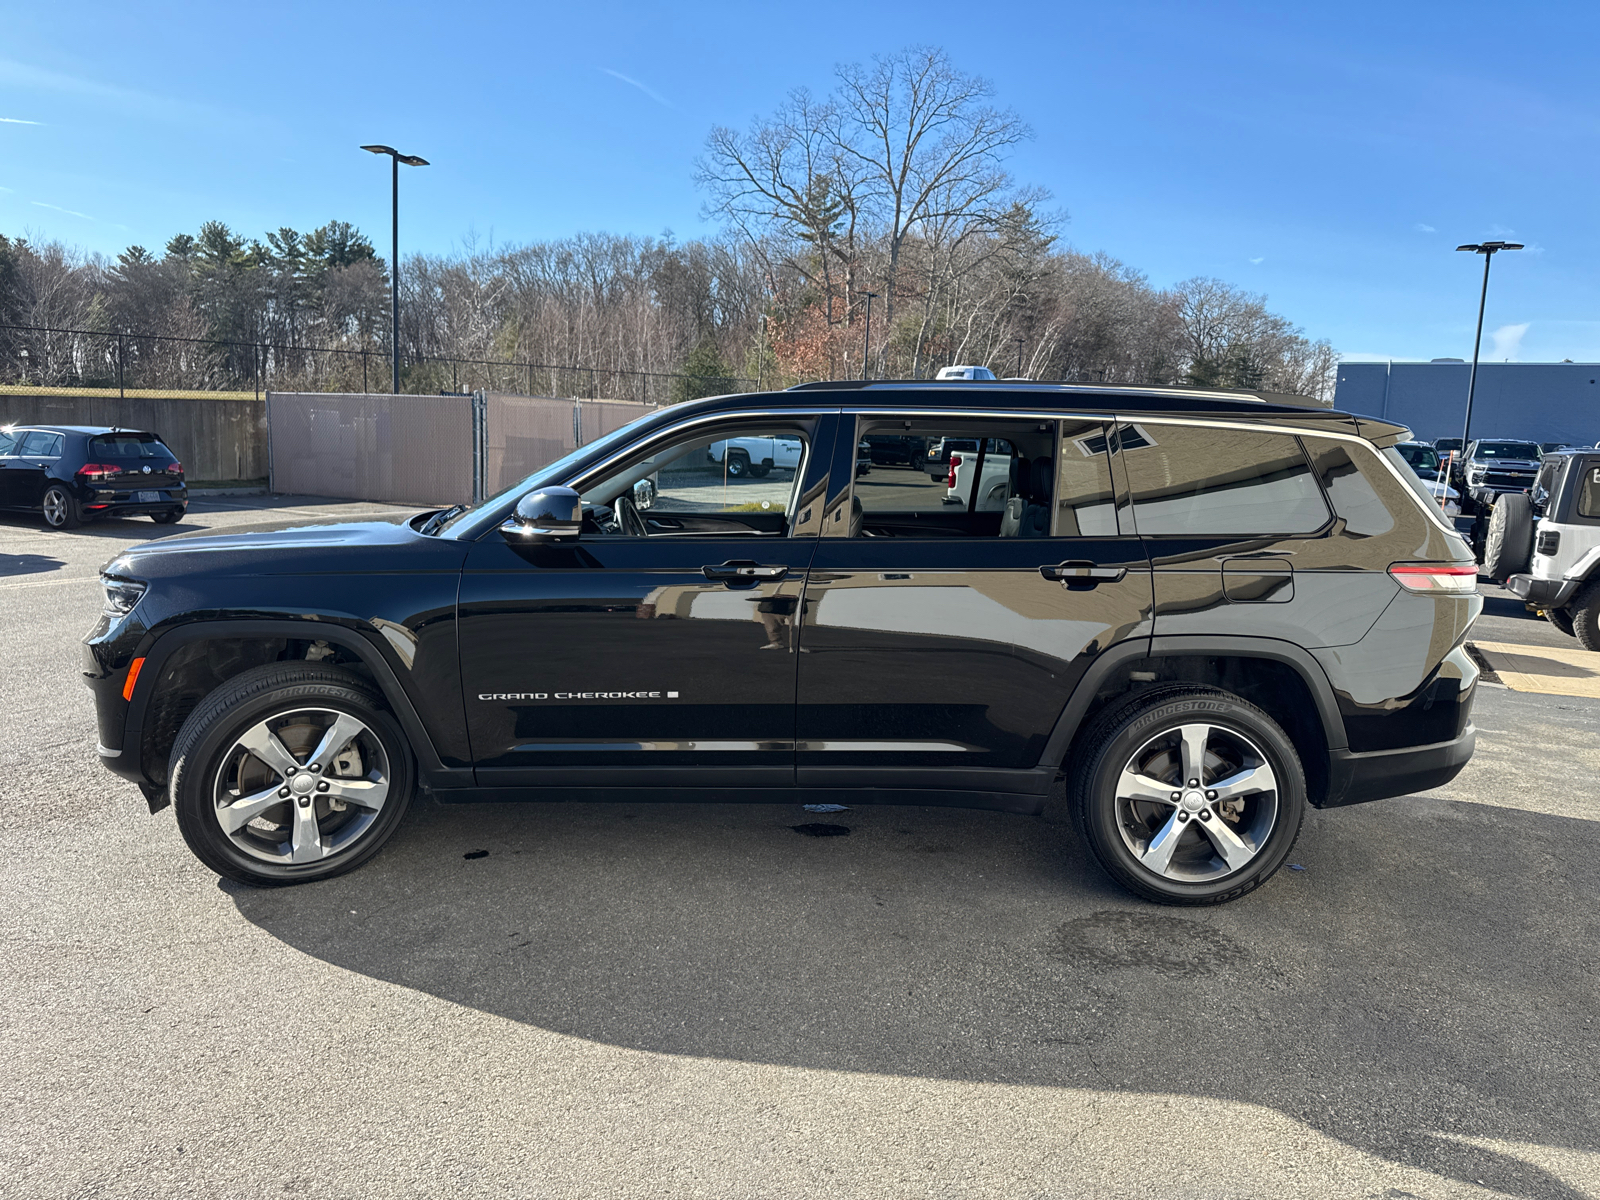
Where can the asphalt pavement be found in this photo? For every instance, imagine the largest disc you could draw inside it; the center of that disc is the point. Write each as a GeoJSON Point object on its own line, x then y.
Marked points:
{"type": "Point", "coordinates": [636, 1000]}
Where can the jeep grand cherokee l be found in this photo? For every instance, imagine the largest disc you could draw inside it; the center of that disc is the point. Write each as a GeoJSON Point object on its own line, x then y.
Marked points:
{"type": "Point", "coordinates": [1203, 610]}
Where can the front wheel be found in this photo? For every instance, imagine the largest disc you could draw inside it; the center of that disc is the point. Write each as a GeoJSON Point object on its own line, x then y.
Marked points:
{"type": "Point", "coordinates": [289, 773]}
{"type": "Point", "coordinates": [60, 510]}
{"type": "Point", "coordinates": [1189, 795]}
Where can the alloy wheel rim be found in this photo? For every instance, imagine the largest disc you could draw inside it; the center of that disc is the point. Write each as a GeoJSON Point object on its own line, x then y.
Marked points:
{"type": "Point", "coordinates": [301, 786]}
{"type": "Point", "coordinates": [1196, 803]}
{"type": "Point", "coordinates": [55, 507]}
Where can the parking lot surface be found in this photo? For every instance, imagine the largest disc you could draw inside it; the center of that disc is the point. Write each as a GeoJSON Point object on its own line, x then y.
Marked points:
{"type": "Point", "coordinates": [696, 1000]}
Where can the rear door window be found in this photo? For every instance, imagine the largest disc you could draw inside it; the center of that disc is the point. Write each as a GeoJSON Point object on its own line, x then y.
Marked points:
{"type": "Point", "coordinates": [39, 444]}
{"type": "Point", "coordinates": [1219, 481]}
{"type": "Point", "coordinates": [8, 441]}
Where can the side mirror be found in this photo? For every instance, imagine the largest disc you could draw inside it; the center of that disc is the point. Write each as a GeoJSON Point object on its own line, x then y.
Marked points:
{"type": "Point", "coordinates": [644, 494]}
{"type": "Point", "coordinates": [550, 514]}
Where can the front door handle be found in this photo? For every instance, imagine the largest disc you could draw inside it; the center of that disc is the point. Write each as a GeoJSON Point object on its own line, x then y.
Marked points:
{"type": "Point", "coordinates": [1083, 571]}
{"type": "Point", "coordinates": [742, 571]}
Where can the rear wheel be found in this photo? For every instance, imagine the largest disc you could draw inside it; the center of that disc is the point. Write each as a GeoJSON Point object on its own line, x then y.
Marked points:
{"type": "Point", "coordinates": [1561, 618]}
{"type": "Point", "coordinates": [738, 464]}
{"type": "Point", "coordinates": [1189, 795]}
{"type": "Point", "coordinates": [1584, 612]}
{"type": "Point", "coordinates": [60, 510]}
{"type": "Point", "coordinates": [289, 773]}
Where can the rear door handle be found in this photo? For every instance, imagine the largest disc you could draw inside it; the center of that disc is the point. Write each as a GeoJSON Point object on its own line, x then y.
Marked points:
{"type": "Point", "coordinates": [1083, 571]}
{"type": "Point", "coordinates": [742, 571]}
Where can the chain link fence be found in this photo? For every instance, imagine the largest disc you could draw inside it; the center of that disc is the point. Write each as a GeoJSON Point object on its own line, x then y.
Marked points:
{"type": "Point", "coordinates": [38, 360]}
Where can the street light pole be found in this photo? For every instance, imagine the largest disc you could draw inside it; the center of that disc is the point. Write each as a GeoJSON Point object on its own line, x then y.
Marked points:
{"type": "Point", "coordinates": [1488, 250]}
{"type": "Point", "coordinates": [866, 345]}
{"type": "Point", "coordinates": [410, 160]}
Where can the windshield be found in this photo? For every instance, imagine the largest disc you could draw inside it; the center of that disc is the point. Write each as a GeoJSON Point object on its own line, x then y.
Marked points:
{"type": "Point", "coordinates": [544, 475]}
{"type": "Point", "coordinates": [1423, 459]}
{"type": "Point", "coordinates": [1507, 450]}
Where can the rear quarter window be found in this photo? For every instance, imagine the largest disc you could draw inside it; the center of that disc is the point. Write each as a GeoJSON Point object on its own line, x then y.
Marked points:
{"type": "Point", "coordinates": [1589, 491]}
{"type": "Point", "coordinates": [1220, 481]}
{"type": "Point", "coordinates": [1351, 493]}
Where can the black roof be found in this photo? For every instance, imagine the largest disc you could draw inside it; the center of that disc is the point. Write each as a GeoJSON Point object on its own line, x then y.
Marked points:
{"type": "Point", "coordinates": [1173, 398]}
{"type": "Point", "coordinates": [89, 429]}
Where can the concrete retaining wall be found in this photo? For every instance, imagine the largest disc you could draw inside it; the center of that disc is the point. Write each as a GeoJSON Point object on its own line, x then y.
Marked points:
{"type": "Point", "coordinates": [213, 438]}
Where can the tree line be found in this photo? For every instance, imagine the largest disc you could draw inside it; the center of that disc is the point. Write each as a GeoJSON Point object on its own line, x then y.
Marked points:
{"type": "Point", "coordinates": [892, 190]}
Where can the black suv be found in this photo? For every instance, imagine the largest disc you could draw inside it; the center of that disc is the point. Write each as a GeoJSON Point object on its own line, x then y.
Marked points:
{"type": "Point", "coordinates": [1203, 610]}
{"type": "Point", "coordinates": [73, 473]}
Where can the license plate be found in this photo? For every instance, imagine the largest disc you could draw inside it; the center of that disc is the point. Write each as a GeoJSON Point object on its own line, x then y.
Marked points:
{"type": "Point", "coordinates": [149, 498]}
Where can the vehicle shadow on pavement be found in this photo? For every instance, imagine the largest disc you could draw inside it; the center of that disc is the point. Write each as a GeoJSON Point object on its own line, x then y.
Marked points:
{"type": "Point", "coordinates": [13, 565]}
{"type": "Point", "coordinates": [106, 527]}
{"type": "Point", "coordinates": [1389, 993]}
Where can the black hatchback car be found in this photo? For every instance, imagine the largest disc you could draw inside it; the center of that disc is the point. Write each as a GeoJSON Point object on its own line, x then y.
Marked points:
{"type": "Point", "coordinates": [1203, 611]}
{"type": "Point", "coordinates": [74, 473]}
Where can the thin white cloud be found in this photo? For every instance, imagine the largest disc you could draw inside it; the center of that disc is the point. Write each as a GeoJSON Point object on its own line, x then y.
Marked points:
{"type": "Point", "coordinates": [71, 212]}
{"type": "Point", "coordinates": [1423, 228]}
{"type": "Point", "coordinates": [1508, 340]}
{"type": "Point", "coordinates": [18, 121]}
{"type": "Point", "coordinates": [1500, 231]}
{"type": "Point", "coordinates": [1258, 261]}
{"type": "Point", "coordinates": [645, 88]}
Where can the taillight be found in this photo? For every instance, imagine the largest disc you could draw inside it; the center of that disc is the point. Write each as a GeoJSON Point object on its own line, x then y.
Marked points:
{"type": "Point", "coordinates": [1549, 541]}
{"type": "Point", "coordinates": [1437, 578]}
{"type": "Point", "coordinates": [175, 468]}
{"type": "Point", "coordinates": [98, 472]}
{"type": "Point", "coordinates": [955, 461]}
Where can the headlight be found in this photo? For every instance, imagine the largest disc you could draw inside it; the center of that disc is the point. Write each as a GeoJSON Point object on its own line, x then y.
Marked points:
{"type": "Point", "coordinates": [121, 594]}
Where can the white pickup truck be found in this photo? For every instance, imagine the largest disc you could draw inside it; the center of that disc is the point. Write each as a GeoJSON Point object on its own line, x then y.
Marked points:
{"type": "Point", "coordinates": [756, 456]}
{"type": "Point", "coordinates": [960, 457]}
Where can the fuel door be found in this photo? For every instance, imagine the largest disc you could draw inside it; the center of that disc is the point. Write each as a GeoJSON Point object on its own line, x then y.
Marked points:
{"type": "Point", "coordinates": [1258, 580]}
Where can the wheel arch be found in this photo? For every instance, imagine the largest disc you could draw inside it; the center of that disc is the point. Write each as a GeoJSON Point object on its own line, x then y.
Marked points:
{"type": "Point", "coordinates": [1278, 676]}
{"type": "Point", "coordinates": [187, 663]}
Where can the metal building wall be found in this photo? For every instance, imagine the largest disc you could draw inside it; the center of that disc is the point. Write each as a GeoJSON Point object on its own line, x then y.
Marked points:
{"type": "Point", "coordinates": [1542, 402]}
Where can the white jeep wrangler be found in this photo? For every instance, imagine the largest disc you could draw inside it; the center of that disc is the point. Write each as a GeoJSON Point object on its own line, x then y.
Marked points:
{"type": "Point", "coordinates": [1545, 544]}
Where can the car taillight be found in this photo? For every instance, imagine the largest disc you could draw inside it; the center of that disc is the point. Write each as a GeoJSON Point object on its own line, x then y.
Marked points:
{"type": "Point", "coordinates": [175, 468]}
{"type": "Point", "coordinates": [1437, 578]}
{"type": "Point", "coordinates": [98, 472]}
{"type": "Point", "coordinates": [955, 461]}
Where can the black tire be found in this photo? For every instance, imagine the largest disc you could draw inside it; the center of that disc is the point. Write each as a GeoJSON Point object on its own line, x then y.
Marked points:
{"type": "Point", "coordinates": [1131, 729]}
{"type": "Point", "coordinates": [171, 517]}
{"type": "Point", "coordinates": [738, 464]}
{"type": "Point", "coordinates": [1561, 618]}
{"type": "Point", "coordinates": [1508, 546]}
{"type": "Point", "coordinates": [58, 507]}
{"type": "Point", "coordinates": [916, 462]}
{"type": "Point", "coordinates": [761, 471]}
{"type": "Point", "coordinates": [206, 746]}
{"type": "Point", "coordinates": [1584, 612]}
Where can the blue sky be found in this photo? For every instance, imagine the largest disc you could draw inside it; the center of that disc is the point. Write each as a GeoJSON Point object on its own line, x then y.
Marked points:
{"type": "Point", "coordinates": [1330, 156]}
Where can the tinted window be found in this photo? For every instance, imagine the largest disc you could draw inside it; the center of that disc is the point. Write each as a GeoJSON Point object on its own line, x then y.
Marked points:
{"type": "Point", "coordinates": [8, 441]}
{"type": "Point", "coordinates": [44, 445]}
{"type": "Point", "coordinates": [127, 445]}
{"type": "Point", "coordinates": [1220, 481]}
{"type": "Point", "coordinates": [1085, 505]}
{"type": "Point", "coordinates": [1589, 492]}
{"type": "Point", "coordinates": [1351, 492]}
